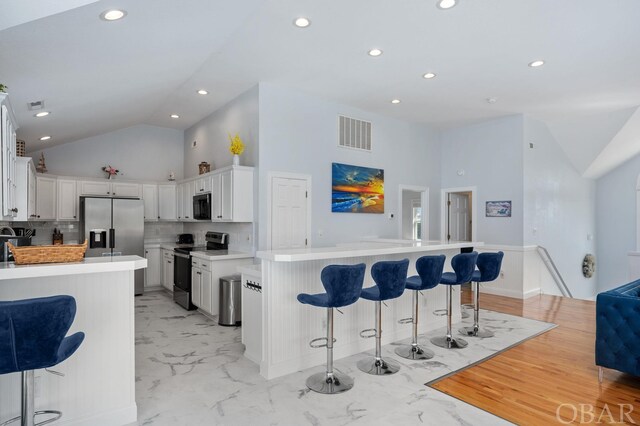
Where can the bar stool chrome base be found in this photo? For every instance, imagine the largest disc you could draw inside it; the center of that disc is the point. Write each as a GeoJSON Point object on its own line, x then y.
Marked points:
{"type": "Point", "coordinates": [323, 383]}
{"type": "Point", "coordinates": [476, 332]}
{"type": "Point", "coordinates": [449, 342]}
{"type": "Point", "coordinates": [28, 414]}
{"type": "Point", "coordinates": [378, 366]}
{"type": "Point", "coordinates": [414, 352]}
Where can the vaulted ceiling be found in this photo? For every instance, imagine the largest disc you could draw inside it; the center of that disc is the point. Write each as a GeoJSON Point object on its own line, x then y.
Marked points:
{"type": "Point", "coordinates": [97, 76]}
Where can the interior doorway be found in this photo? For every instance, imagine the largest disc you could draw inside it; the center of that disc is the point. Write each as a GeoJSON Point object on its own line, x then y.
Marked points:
{"type": "Point", "coordinates": [289, 218]}
{"type": "Point", "coordinates": [413, 208]}
{"type": "Point", "coordinates": [459, 213]}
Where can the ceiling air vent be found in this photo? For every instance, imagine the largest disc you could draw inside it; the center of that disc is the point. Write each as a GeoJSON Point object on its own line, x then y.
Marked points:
{"type": "Point", "coordinates": [355, 134]}
{"type": "Point", "coordinates": [34, 106]}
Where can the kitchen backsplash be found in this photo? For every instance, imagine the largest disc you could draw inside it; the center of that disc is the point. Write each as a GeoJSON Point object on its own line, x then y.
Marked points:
{"type": "Point", "coordinates": [241, 235]}
{"type": "Point", "coordinates": [161, 231]}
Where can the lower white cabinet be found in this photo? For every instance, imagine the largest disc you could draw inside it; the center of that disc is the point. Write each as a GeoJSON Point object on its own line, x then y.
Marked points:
{"type": "Point", "coordinates": [46, 200]}
{"type": "Point", "coordinates": [205, 281]}
{"type": "Point", "coordinates": [167, 269]}
{"type": "Point", "coordinates": [67, 200]}
{"type": "Point", "coordinates": [150, 200]}
{"type": "Point", "coordinates": [153, 272]}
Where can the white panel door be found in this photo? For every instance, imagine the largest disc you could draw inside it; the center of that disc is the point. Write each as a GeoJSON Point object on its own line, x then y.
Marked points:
{"type": "Point", "coordinates": [289, 213]}
{"type": "Point", "coordinates": [459, 217]}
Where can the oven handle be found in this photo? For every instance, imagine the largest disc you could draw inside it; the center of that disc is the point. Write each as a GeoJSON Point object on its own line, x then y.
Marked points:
{"type": "Point", "coordinates": [184, 256]}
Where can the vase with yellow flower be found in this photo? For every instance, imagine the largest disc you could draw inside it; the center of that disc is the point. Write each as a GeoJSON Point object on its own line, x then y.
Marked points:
{"type": "Point", "coordinates": [236, 148]}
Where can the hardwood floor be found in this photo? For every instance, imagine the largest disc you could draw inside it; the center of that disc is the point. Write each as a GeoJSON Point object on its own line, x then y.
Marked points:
{"type": "Point", "coordinates": [528, 383]}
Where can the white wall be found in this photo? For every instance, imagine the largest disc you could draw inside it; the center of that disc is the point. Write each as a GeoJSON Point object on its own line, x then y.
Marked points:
{"type": "Point", "coordinates": [490, 154]}
{"type": "Point", "coordinates": [559, 207]}
{"type": "Point", "coordinates": [298, 134]}
{"type": "Point", "coordinates": [616, 222]}
{"type": "Point", "coordinates": [139, 152]}
{"type": "Point", "coordinates": [212, 135]}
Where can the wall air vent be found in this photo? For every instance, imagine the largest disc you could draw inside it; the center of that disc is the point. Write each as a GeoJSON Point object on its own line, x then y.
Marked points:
{"type": "Point", "coordinates": [355, 134]}
{"type": "Point", "coordinates": [34, 106]}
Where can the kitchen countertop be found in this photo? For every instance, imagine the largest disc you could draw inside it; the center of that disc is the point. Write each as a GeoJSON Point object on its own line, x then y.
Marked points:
{"type": "Point", "coordinates": [9, 270]}
{"type": "Point", "coordinates": [208, 255]}
{"type": "Point", "coordinates": [361, 249]}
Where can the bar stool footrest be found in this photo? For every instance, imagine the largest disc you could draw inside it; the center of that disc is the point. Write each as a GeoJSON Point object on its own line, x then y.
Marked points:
{"type": "Point", "coordinates": [405, 320]}
{"type": "Point", "coordinates": [440, 312]}
{"type": "Point", "coordinates": [38, 413]}
{"type": "Point", "coordinates": [368, 330]}
{"type": "Point", "coordinates": [323, 345]}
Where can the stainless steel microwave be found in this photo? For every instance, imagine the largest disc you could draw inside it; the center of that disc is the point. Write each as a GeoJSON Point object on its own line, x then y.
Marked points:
{"type": "Point", "coordinates": [202, 207]}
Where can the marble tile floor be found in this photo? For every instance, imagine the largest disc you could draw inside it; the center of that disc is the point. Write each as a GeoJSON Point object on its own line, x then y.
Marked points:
{"type": "Point", "coordinates": [191, 371]}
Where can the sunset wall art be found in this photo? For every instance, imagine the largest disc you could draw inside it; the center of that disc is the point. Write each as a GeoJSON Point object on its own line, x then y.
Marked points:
{"type": "Point", "coordinates": [357, 189]}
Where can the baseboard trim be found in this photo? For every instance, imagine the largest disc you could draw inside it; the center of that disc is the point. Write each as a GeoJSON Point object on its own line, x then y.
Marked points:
{"type": "Point", "coordinates": [514, 294]}
{"type": "Point", "coordinates": [122, 416]}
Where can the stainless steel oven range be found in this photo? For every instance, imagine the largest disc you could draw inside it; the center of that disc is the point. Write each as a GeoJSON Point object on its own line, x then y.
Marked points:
{"type": "Point", "coordinates": [217, 245]}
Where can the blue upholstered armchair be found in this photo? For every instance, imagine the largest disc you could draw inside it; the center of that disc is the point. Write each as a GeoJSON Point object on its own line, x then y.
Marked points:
{"type": "Point", "coordinates": [618, 329]}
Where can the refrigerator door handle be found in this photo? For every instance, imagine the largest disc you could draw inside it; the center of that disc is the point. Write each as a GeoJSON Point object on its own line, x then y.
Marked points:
{"type": "Point", "coordinates": [112, 238]}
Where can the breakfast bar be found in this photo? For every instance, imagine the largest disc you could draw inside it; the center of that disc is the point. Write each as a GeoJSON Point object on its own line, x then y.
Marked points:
{"type": "Point", "coordinates": [288, 326]}
{"type": "Point", "coordinates": [98, 386]}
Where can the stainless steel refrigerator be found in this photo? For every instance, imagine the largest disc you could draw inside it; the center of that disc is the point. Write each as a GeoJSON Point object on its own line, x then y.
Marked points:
{"type": "Point", "coordinates": [114, 227]}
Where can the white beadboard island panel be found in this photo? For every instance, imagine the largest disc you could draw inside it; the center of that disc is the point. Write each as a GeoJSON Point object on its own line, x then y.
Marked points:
{"type": "Point", "coordinates": [99, 383]}
{"type": "Point", "coordinates": [288, 326]}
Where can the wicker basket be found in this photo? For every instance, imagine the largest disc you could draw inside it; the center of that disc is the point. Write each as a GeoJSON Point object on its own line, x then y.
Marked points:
{"type": "Point", "coordinates": [29, 255]}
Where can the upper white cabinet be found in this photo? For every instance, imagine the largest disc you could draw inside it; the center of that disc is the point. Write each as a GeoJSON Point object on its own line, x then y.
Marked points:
{"type": "Point", "coordinates": [203, 185]}
{"type": "Point", "coordinates": [150, 199]}
{"type": "Point", "coordinates": [180, 201]}
{"type": "Point", "coordinates": [67, 200]}
{"type": "Point", "coordinates": [188, 191]}
{"type": "Point", "coordinates": [126, 189]}
{"type": "Point", "coordinates": [8, 128]}
{"type": "Point", "coordinates": [232, 195]}
{"type": "Point", "coordinates": [167, 202]}
{"type": "Point", "coordinates": [25, 189]}
{"type": "Point", "coordinates": [94, 187]}
{"type": "Point", "coordinates": [46, 200]}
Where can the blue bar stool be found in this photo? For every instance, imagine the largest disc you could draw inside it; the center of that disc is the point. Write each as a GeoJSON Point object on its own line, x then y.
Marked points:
{"type": "Point", "coordinates": [343, 284]}
{"type": "Point", "coordinates": [390, 278]}
{"type": "Point", "coordinates": [429, 273]}
{"type": "Point", "coordinates": [489, 265]}
{"type": "Point", "coordinates": [463, 264]}
{"type": "Point", "coordinates": [32, 336]}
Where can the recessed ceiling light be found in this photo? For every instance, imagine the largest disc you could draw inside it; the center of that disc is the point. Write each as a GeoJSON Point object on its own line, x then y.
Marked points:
{"type": "Point", "coordinates": [45, 138]}
{"type": "Point", "coordinates": [537, 63]}
{"type": "Point", "coordinates": [302, 22]}
{"type": "Point", "coordinates": [113, 15]}
{"type": "Point", "coordinates": [375, 52]}
{"type": "Point", "coordinates": [175, 116]}
{"type": "Point", "coordinates": [395, 101]}
{"type": "Point", "coordinates": [429, 75]}
{"type": "Point", "coordinates": [202, 92]}
{"type": "Point", "coordinates": [42, 114]}
{"type": "Point", "coordinates": [446, 4]}
{"type": "Point", "coordinates": [492, 100]}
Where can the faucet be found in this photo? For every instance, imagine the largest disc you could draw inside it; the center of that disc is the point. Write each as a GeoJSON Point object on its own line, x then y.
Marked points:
{"type": "Point", "coordinates": [7, 228]}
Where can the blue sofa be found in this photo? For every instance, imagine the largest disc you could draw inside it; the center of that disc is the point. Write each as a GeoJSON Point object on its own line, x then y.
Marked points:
{"type": "Point", "coordinates": [618, 328]}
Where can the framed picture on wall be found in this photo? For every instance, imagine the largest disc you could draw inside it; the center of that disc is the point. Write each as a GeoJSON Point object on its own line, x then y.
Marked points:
{"type": "Point", "coordinates": [356, 189]}
{"type": "Point", "coordinates": [498, 209]}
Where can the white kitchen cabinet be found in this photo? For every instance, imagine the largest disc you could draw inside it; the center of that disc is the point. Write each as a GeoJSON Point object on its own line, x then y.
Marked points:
{"type": "Point", "coordinates": [153, 272]}
{"type": "Point", "coordinates": [207, 292]}
{"type": "Point", "coordinates": [203, 185]}
{"type": "Point", "coordinates": [188, 191]}
{"type": "Point", "coordinates": [8, 128]}
{"type": "Point", "coordinates": [196, 284]}
{"type": "Point", "coordinates": [167, 269]}
{"type": "Point", "coordinates": [126, 189]}
{"type": "Point", "coordinates": [232, 195]}
{"type": "Point", "coordinates": [94, 187]}
{"type": "Point", "coordinates": [167, 202]}
{"type": "Point", "coordinates": [25, 189]}
{"type": "Point", "coordinates": [46, 199]}
{"type": "Point", "coordinates": [180, 201]}
{"type": "Point", "coordinates": [150, 201]}
{"type": "Point", "coordinates": [67, 200]}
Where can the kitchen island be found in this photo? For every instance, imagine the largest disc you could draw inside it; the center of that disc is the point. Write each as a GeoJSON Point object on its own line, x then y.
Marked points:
{"type": "Point", "coordinates": [288, 326]}
{"type": "Point", "coordinates": [99, 383]}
